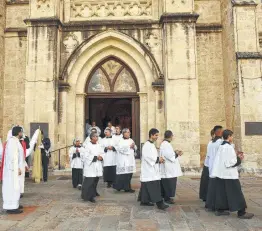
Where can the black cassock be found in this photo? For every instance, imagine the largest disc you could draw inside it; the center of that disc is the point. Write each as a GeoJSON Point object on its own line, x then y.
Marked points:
{"type": "Point", "coordinates": [109, 174]}
{"type": "Point", "coordinates": [204, 184]}
{"type": "Point", "coordinates": [168, 187]}
{"type": "Point", "coordinates": [150, 192]}
{"type": "Point", "coordinates": [89, 188]}
{"type": "Point", "coordinates": [123, 182]}
{"type": "Point", "coordinates": [77, 177]}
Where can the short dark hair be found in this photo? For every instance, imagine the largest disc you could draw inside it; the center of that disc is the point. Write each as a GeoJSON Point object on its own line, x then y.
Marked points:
{"type": "Point", "coordinates": [168, 134]}
{"type": "Point", "coordinates": [217, 127]}
{"type": "Point", "coordinates": [118, 126]}
{"type": "Point", "coordinates": [227, 133]}
{"type": "Point", "coordinates": [152, 132]}
{"type": "Point", "coordinates": [212, 132]}
{"type": "Point", "coordinates": [16, 130]}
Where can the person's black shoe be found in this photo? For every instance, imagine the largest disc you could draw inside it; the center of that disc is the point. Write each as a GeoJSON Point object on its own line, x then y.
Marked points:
{"type": "Point", "coordinates": [97, 194]}
{"type": "Point", "coordinates": [21, 195]}
{"type": "Point", "coordinates": [79, 187]}
{"type": "Point", "coordinates": [222, 213]}
{"type": "Point", "coordinates": [109, 185]}
{"type": "Point", "coordinates": [20, 207]}
{"type": "Point", "coordinates": [246, 216]}
{"type": "Point", "coordinates": [14, 211]}
{"type": "Point", "coordinates": [162, 206]}
{"type": "Point", "coordinates": [146, 204]}
{"type": "Point", "coordinates": [92, 200]}
{"type": "Point", "coordinates": [45, 180]}
{"type": "Point", "coordinates": [170, 201]}
{"type": "Point", "coordinates": [130, 190]}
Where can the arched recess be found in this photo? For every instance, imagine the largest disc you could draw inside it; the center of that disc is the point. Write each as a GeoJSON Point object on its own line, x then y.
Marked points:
{"type": "Point", "coordinates": [84, 60]}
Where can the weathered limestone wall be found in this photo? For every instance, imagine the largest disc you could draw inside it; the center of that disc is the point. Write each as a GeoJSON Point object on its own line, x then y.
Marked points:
{"type": "Point", "coordinates": [15, 15]}
{"type": "Point", "coordinates": [208, 10]}
{"type": "Point", "coordinates": [211, 85]}
{"type": "Point", "coordinates": [14, 82]}
{"type": "Point", "coordinates": [249, 76]}
{"type": "Point", "coordinates": [2, 62]}
{"type": "Point", "coordinates": [231, 95]}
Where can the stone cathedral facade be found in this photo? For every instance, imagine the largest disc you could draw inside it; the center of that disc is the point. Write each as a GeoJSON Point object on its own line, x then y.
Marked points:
{"type": "Point", "coordinates": [187, 65]}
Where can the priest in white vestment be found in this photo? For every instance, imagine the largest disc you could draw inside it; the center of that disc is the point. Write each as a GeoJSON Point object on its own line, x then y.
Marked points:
{"type": "Point", "coordinates": [170, 169]}
{"type": "Point", "coordinates": [229, 195]}
{"type": "Point", "coordinates": [126, 163]}
{"type": "Point", "coordinates": [211, 155]}
{"type": "Point", "coordinates": [205, 172]}
{"type": "Point", "coordinates": [28, 148]}
{"type": "Point", "coordinates": [76, 162]}
{"type": "Point", "coordinates": [12, 169]}
{"type": "Point", "coordinates": [93, 169]}
{"type": "Point", "coordinates": [113, 129]}
{"type": "Point", "coordinates": [150, 191]}
{"type": "Point", "coordinates": [109, 146]}
{"type": "Point", "coordinates": [93, 126]}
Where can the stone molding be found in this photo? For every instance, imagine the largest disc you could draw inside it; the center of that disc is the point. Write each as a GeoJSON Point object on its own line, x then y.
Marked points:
{"type": "Point", "coordinates": [63, 86]}
{"type": "Point", "coordinates": [179, 17]}
{"type": "Point", "coordinates": [159, 84]}
{"type": "Point", "coordinates": [244, 3]}
{"type": "Point", "coordinates": [16, 2]}
{"type": "Point", "coordinates": [53, 21]}
{"type": "Point", "coordinates": [15, 29]}
{"type": "Point", "coordinates": [208, 28]}
{"type": "Point", "coordinates": [112, 9]}
{"type": "Point", "coordinates": [249, 55]}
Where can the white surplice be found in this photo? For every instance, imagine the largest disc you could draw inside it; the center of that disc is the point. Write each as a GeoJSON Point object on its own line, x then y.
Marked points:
{"type": "Point", "coordinates": [224, 163]}
{"type": "Point", "coordinates": [117, 138]}
{"type": "Point", "coordinates": [207, 157]}
{"type": "Point", "coordinates": [92, 169]}
{"type": "Point", "coordinates": [149, 167]}
{"type": "Point", "coordinates": [29, 151]}
{"type": "Point", "coordinates": [14, 158]}
{"type": "Point", "coordinates": [171, 168]}
{"type": "Point", "coordinates": [125, 157]}
{"type": "Point", "coordinates": [212, 151]}
{"type": "Point", "coordinates": [76, 162]}
{"type": "Point", "coordinates": [110, 155]}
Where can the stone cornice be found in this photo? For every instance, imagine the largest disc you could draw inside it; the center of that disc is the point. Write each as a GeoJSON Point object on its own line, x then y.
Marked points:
{"type": "Point", "coordinates": [244, 3]}
{"type": "Point", "coordinates": [15, 29]}
{"type": "Point", "coordinates": [102, 25]}
{"type": "Point", "coordinates": [178, 17]}
{"type": "Point", "coordinates": [208, 28]}
{"type": "Point", "coordinates": [249, 55]}
{"type": "Point", "coordinates": [17, 2]}
{"type": "Point", "coordinates": [53, 21]}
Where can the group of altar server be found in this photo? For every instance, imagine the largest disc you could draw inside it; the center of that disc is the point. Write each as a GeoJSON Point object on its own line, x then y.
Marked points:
{"type": "Point", "coordinates": [13, 154]}
{"type": "Point", "coordinates": [220, 187]}
{"type": "Point", "coordinates": [113, 157]}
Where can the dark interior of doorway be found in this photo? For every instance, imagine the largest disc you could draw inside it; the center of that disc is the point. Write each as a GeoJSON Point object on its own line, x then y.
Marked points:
{"type": "Point", "coordinates": [117, 110]}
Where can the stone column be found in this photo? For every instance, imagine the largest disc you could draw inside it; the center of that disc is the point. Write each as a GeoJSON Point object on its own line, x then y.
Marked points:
{"type": "Point", "coordinates": [181, 83]}
{"type": "Point", "coordinates": [143, 116]}
{"type": "Point", "coordinates": [80, 115]}
{"type": "Point", "coordinates": [248, 84]}
{"type": "Point", "coordinates": [2, 63]}
{"type": "Point", "coordinates": [41, 88]}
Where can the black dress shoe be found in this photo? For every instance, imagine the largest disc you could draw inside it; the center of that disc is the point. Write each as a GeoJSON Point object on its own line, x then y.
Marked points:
{"type": "Point", "coordinates": [109, 185]}
{"type": "Point", "coordinates": [21, 195]}
{"type": "Point", "coordinates": [79, 187]}
{"type": "Point", "coordinates": [162, 206]}
{"type": "Point", "coordinates": [92, 200]}
{"type": "Point", "coordinates": [14, 211]}
{"type": "Point", "coordinates": [146, 204]}
{"type": "Point", "coordinates": [97, 194]}
{"type": "Point", "coordinates": [170, 201]}
{"type": "Point", "coordinates": [246, 216]}
{"type": "Point", "coordinates": [20, 207]}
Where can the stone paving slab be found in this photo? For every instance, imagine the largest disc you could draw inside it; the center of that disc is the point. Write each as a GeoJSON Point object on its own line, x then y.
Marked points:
{"type": "Point", "coordinates": [55, 205]}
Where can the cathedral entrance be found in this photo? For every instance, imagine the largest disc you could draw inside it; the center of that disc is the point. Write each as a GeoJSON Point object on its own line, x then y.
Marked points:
{"type": "Point", "coordinates": [112, 96]}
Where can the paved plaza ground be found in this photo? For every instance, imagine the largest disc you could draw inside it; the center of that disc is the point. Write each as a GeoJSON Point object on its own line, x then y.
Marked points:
{"type": "Point", "coordinates": [55, 205]}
